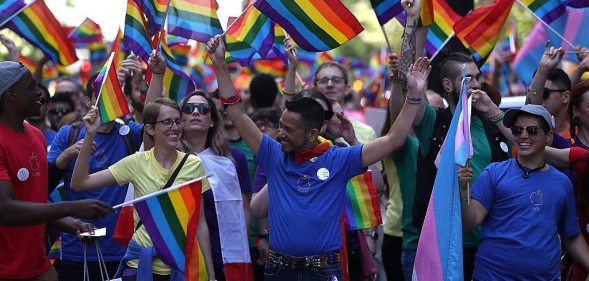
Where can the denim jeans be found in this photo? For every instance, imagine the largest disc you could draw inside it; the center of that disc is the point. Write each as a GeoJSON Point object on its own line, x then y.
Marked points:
{"type": "Point", "coordinates": [277, 272]}
{"type": "Point", "coordinates": [408, 260]}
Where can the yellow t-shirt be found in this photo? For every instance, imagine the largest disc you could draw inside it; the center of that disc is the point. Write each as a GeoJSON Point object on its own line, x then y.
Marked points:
{"type": "Point", "coordinates": [147, 176]}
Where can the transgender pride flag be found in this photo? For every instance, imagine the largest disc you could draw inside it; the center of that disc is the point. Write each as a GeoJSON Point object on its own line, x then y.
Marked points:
{"type": "Point", "coordinates": [439, 252]}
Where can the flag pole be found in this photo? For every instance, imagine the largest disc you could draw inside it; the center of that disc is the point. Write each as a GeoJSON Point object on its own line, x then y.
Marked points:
{"type": "Point", "coordinates": [386, 39]}
{"type": "Point", "coordinates": [441, 47]}
{"type": "Point", "coordinates": [468, 186]}
{"type": "Point", "coordinates": [109, 61]}
{"type": "Point", "coordinates": [242, 13]}
{"type": "Point", "coordinates": [159, 192]}
{"type": "Point", "coordinates": [546, 24]}
{"type": "Point", "coordinates": [299, 78]}
{"type": "Point", "coordinates": [27, 4]}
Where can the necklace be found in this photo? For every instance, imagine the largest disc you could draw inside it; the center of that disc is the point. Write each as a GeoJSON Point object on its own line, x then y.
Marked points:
{"type": "Point", "coordinates": [527, 171]}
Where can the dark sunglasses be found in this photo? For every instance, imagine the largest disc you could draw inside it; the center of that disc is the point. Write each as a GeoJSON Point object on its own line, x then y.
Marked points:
{"type": "Point", "coordinates": [63, 111]}
{"type": "Point", "coordinates": [532, 130]}
{"type": "Point", "coordinates": [203, 108]}
{"type": "Point", "coordinates": [547, 92]}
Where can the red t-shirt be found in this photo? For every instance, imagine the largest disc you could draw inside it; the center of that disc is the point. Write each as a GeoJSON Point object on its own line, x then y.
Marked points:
{"type": "Point", "coordinates": [579, 161]}
{"type": "Point", "coordinates": [23, 162]}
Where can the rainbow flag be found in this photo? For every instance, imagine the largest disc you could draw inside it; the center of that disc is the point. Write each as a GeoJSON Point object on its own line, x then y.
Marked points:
{"type": "Point", "coordinates": [176, 82]}
{"type": "Point", "coordinates": [38, 26]}
{"type": "Point", "coordinates": [203, 76]}
{"type": "Point", "coordinates": [116, 47]}
{"type": "Point", "coordinates": [322, 58]}
{"type": "Point", "coordinates": [49, 70]}
{"type": "Point", "coordinates": [137, 37]}
{"type": "Point", "coordinates": [87, 32]}
{"type": "Point", "coordinates": [274, 67]}
{"type": "Point", "coordinates": [194, 19]}
{"type": "Point", "coordinates": [251, 33]}
{"type": "Point", "coordinates": [111, 101]}
{"type": "Point", "coordinates": [171, 220]}
{"type": "Point", "coordinates": [479, 30]}
{"type": "Point", "coordinates": [318, 25]}
{"type": "Point", "coordinates": [385, 10]}
{"type": "Point", "coordinates": [439, 251]}
{"type": "Point", "coordinates": [55, 251]}
{"type": "Point", "coordinates": [97, 52]}
{"type": "Point", "coordinates": [10, 8]}
{"type": "Point", "coordinates": [199, 51]}
{"type": "Point", "coordinates": [442, 27]}
{"type": "Point", "coordinates": [547, 10]}
{"type": "Point", "coordinates": [181, 54]}
{"type": "Point", "coordinates": [361, 206]}
{"type": "Point", "coordinates": [155, 12]}
{"type": "Point", "coordinates": [174, 40]}
{"type": "Point", "coordinates": [277, 50]}
{"type": "Point", "coordinates": [578, 3]}
{"type": "Point", "coordinates": [427, 12]}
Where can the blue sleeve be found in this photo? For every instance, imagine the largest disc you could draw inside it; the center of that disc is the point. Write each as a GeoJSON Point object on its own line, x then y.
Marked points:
{"type": "Point", "coordinates": [559, 142]}
{"type": "Point", "coordinates": [567, 223]}
{"type": "Point", "coordinates": [59, 144]}
{"type": "Point", "coordinates": [137, 133]}
{"type": "Point", "coordinates": [241, 169]}
{"type": "Point", "coordinates": [483, 189]}
{"type": "Point", "coordinates": [352, 156]}
{"type": "Point", "coordinates": [260, 180]}
{"type": "Point", "coordinates": [268, 153]}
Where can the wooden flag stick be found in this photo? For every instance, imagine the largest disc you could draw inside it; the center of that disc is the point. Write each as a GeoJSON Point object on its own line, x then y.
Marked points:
{"type": "Point", "coordinates": [386, 39]}
{"type": "Point", "coordinates": [576, 52]}
{"type": "Point", "coordinates": [546, 24]}
{"type": "Point", "coordinates": [299, 78]}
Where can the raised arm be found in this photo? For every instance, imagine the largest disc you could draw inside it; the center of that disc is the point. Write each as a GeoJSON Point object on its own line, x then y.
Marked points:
{"type": "Point", "coordinates": [81, 180]}
{"type": "Point", "coordinates": [13, 52]}
{"type": "Point", "coordinates": [379, 148]}
{"type": "Point", "coordinates": [558, 158]}
{"type": "Point", "coordinates": [157, 65]}
{"type": "Point", "coordinates": [550, 59]}
{"type": "Point", "coordinates": [246, 128]}
{"type": "Point", "coordinates": [290, 84]}
{"type": "Point", "coordinates": [583, 57]}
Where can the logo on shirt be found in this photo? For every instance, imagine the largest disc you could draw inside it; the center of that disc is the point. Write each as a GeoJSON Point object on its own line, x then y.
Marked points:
{"type": "Point", "coordinates": [536, 200]}
{"type": "Point", "coordinates": [34, 165]}
{"type": "Point", "coordinates": [304, 185]}
{"type": "Point", "coordinates": [323, 174]}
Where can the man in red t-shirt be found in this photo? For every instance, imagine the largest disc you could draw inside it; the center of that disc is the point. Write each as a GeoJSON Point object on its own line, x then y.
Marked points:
{"type": "Point", "coordinates": [24, 211]}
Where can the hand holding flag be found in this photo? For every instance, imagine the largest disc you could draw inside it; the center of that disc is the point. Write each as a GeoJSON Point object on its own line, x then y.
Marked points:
{"type": "Point", "coordinates": [551, 57]}
{"type": "Point", "coordinates": [412, 8]}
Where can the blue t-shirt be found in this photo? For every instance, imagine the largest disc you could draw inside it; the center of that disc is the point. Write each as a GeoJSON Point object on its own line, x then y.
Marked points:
{"type": "Point", "coordinates": [306, 199]}
{"type": "Point", "coordinates": [110, 148]}
{"type": "Point", "coordinates": [49, 135]}
{"type": "Point", "coordinates": [520, 234]}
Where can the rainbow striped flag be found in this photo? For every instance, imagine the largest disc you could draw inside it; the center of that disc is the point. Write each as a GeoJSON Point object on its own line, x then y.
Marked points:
{"type": "Point", "coordinates": [274, 67]}
{"type": "Point", "coordinates": [176, 82]}
{"type": "Point", "coordinates": [87, 32]}
{"type": "Point", "coordinates": [55, 251]}
{"type": "Point", "coordinates": [137, 37]}
{"type": "Point", "coordinates": [385, 10]}
{"type": "Point", "coordinates": [479, 30]}
{"type": "Point", "coordinates": [174, 40]}
{"type": "Point", "coordinates": [155, 11]}
{"type": "Point", "coordinates": [322, 58]}
{"type": "Point", "coordinates": [442, 27]}
{"type": "Point", "coordinates": [426, 15]}
{"type": "Point", "coordinates": [97, 52]}
{"type": "Point", "coordinates": [110, 99]}
{"type": "Point", "coordinates": [578, 3]}
{"type": "Point", "coordinates": [116, 47]}
{"type": "Point", "coordinates": [547, 10]}
{"type": "Point", "coordinates": [171, 220]}
{"type": "Point", "coordinates": [38, 26]}
{"type": "Point", "coordinates": [10, 8]}
{"type": "Point", "coordinates": [439, 251]}
{"type": "Point", "coordinates": [318, 25]}
{"type": "Point", "coordinates": [203, 76]}
{"type": "Point", "coordinates": [50, 71]}
{"type": "Point", "coordinates": [277, 50]}
{"type": "Point", "coordinates": [361, 207]}
{"type": "Point", "coordinates": [194, 19]}
{"type": "Point", "coordinates": [251, 33]}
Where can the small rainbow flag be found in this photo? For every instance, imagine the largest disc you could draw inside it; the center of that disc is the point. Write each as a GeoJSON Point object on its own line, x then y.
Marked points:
{"type": "Point", "coordinates": [274, 67]}
{"type": "Point", "coordinates": [97, 52]}
{"type": "Point", "coordinates": [87, 32]}
{"type": "Point", "coordinates": [110, 99]}
{"type": "Point", "coordinates": [442, 27]}
{"type": "Point", "coordinates": [176, 82]}
{"type": "Point", "coordinates": [385, 10]}
{"type": "Point", "coordinates": [547, 10]}
{"type": "Point", "coordinates": [250, 33]}
{"type": "Point", "coordinates": [277, 50]}
{"type": "Point", "coordinates": [322, 58]}
{"type": "Point", "coordinates": [203, 76]}
{"type": "Point", "coordinates": [137, 37]}
{"type": "Point", "coordinates": [361, 208]}
{"type": "Point", "coordinates": [479, 30]}
{"type": "Point", "coordinates": [155, 11]}
{"type": "Point", "coordinates": [11, 8]}
{"type": "Point", "coordinates": [171, 220]}
{"type": "Point", "coordinates": [194, 19]}
{"type": "Point", "coordinates": [50, 71]}
{"type": "Point", "coordinates": [427, 12]}
{"type": "Point", "coordinates": [39, 27]}
{"type": "Point", "coordinates": [55, 251]}
{"type": "Point", "coordinates": [318, 25]}
{"type": "Point", "coordinates": [116, 47]}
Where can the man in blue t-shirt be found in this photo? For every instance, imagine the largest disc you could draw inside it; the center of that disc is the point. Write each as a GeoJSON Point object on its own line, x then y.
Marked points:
{"type": "Point", "coordinates": [113, 142]}
{"type": "Point", "coordinates": [524, 206]}
{"type": "Point", "coordinates": [307, 178]}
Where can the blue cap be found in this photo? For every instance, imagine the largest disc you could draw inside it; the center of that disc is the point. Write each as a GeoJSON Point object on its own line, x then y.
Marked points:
{"type": "Point", "coordinates": [10, 73]}
{"type": "Point", "coordinates": [532, 109]}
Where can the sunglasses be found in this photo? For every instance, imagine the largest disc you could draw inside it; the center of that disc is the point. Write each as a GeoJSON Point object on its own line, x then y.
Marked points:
{"type": "Point", "coordinates": [532, 130]}
{"type": "Point", "coordinates": [202, 108]}
{"type": "Point", "coordinates": [56, 111]}
{"type": "Point", "coordinates": [547, 92]}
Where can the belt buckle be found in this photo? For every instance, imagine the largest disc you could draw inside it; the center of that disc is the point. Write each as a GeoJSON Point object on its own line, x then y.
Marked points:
{"type": "Point", "coordinates": [301, 263]}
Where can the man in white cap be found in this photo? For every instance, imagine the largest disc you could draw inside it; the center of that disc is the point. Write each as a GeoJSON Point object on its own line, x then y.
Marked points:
{"type": "Point", "coordinates": [24, 212]}
{"type": "Point", "coordinates": [524, 206]}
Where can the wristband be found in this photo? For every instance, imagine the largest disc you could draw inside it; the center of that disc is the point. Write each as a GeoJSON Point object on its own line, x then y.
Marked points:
{"type": "Point", "coordinates": [495, 119]}
{"type": "Point", "coordinates": [230, 100]}
{"type": "Point", "coordinates": [413, 100]}
{"type": "Point", "coordinates": [289, 94]}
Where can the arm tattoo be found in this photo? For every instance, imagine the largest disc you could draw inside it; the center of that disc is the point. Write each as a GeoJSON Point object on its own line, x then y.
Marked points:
{"type": "Point", "coordinates": [408, 50]}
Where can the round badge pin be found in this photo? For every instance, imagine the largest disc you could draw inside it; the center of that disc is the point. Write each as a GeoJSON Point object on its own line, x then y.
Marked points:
{"type": "Point", "coordinates": [22, 174]}
{"type": "Point", "coordinates": [504, 147]}
{"type": "Point", "coordinates": [323, 174]}
{"type": "Point", "coordinates": [124, 130]}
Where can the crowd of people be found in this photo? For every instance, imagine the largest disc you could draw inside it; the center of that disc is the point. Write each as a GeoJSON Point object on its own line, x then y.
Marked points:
{"type": "Point", "coordinates": [278, 162]}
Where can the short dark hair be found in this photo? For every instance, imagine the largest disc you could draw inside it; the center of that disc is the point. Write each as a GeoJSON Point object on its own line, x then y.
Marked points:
{"type": "Point", "coordinates": [317, 95]}
{"type": "Point", "coordinates": [267, 114]}
{"type": "Point", "coordinates": [309, 109]}
{"type": "Point", "coordinates": [560, 77]}
{"type": "Point", "coordinates": [263, 91]}
{"type": "Point", "coordinates": [450, 66]}
{"type": "Point", "coordinates": [64, 98]}
{"type": "Point", "coordinates": [340, 67]}
{"type": "Point", "coordinates": [90, 86]}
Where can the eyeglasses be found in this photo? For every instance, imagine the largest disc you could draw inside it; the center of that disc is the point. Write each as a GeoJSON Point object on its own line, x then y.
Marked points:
{"type": "Point", "coordinates": [55, 111]}
{"type": "Point", "coordinates": [203, 108]}
{"type": "Point", "coordinates": [167, 123]}
{"type": "Point", "coordinates": [532, 130]}
{"type": "Point", "coordinates": [547, 92]}
{"type": "Point", "coordinates": [334, 80]}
